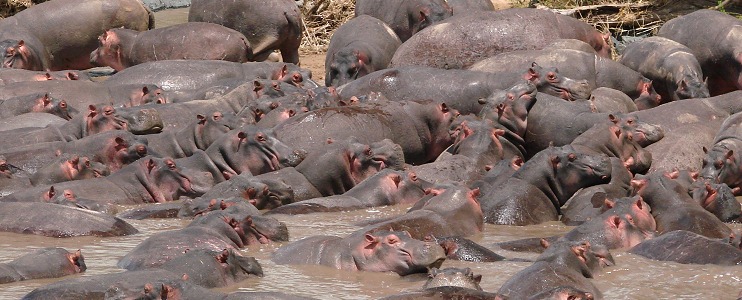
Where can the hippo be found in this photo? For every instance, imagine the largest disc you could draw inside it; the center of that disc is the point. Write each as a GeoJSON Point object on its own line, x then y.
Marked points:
{"type": "Point", "coordinates": [420, 127]}
{"type": "Point", "coordinates": [252, 150]}
{"type": "Point", "coordinates": [8, 76]}
{"type": "Point", "coordinates": [12, 178]}
{"type": "Point", "coordinates": [460, 89]}
{"type": "Point", "coordinates": [509, 111]}
{"type": "Point", "coordinates": [672, 67]}
{"type": "Point", "coordinates": [204, 269]}
{"type": "Point", "coordinates": [198, 135]}
{"type": "Point", "coordinates": [450, 44]}
{"type": "Point", "coordinates": [113, 148]}
{"type": "Point", "coordinates": [579, 65]}
{"type": "Point", "coordinates": [550, 112]}
{"type": "Point", "coordinates": [623, 226]}
{"type": "Point", "coordinates": [183, 289]}
{"type": "Point", "coordinates": [587, 202]}
{"type": "Point", "coordinates": [607, 138]}
{"type": "Point", "coordinates": [459, 248]}
{"type": "Point", "coordinates": [716, 198]}
{"type": "Point", "coordinates": [526, 199]}
{"type": "Point", "coordinates": [702, 117]}
{"type": "Point", "coordinates": [448, 210]}
{"type": "Point", "coordinates": [67, 168]}
{"type": "Point", "coordinates": [95, 120]}
{"type": "Point", "coordinates": [68, 198]}
{"type": "Point", "coordinates": [36, 102]}
{"type": "Point", "coordinates": [267, 25]}
{"type": "Point", "coordinates": [79, 94]}
{"type": "Point", "coordinates": [175, 75]}
{"type": "Point", "coordinates": [387, 187]}
{"type": "Point", "coordinates": [453, 277]}
{"type": "Point", "coordinates": [55, 220]}
{"type": "Point", "coordinates": [608, 100]}
{"type": "Point", "coordinates": [120, 48]}
{"type": "Point", "coordinates": [563, 292]}
{"type": "Point", "coordinates": [37, 38]}
{"type": "Point", "coordinates": [723, 162]}
{"type": "Point", "coordinates": [147, 180]}
{"type": "Point", "coordinates": [405, 17]}
{"type": "Point", "coordinates": [360, 46]}
{"type": "Point", "coordinates": [43, 263]}
{"type": "Point", "coordinates": [466, 6]}
{"type": "Point", "coordinates": [216, 230]}
{"type": "Point", "coordinates": [260, 191]}
{"type": "Point", "coordinates": [449, 283]}
{"type": "Point", "coordinates": [673, 208]}
{"type": "Point", "coordinates": [381, 251]}
{"type": "Point", "coordinates": [563, 264]}
{"type": "Point", "coordinates": [689, 248]}
{"type": "Point", "coordinates": [717, 55]}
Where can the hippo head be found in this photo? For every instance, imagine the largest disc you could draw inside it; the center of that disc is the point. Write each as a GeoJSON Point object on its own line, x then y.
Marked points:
{"type": "Point", "coordinates": [237, 266]}
{"type": "Point", "coordinates": [165, 181]}
{"type": "Point", "coordinates": [366, 160]}
{"type": "Point", "coordinates": [69, 167]}
{"type": "Point", "coordinates": [648, 96]}
{"type": "Point", "coordinates": [396, 251]}
{"type": "Point", "coordinates": [717, 198]}
{"type": "Point", "coordinates": [643, 133]}
{"type": "Point", "coordinates": [564, 292]}
{"type": "Point", "coordinates": [252, 150]}
{"type": "Point", "coordinates": [510, 108]}
{"type": "Point", "coordinates": [580, 256]}
{"type": "Point", "coordinates": [438, 118]}
{"type": "Point", "coordinates": [210, 128]}
{"type": "Point", "coordinates": [147, 94]}
{"type": "Point", "coordinates": [634, 156]}
{"type": "Point", "coordinates": [601, 42]}
{"type": "Point", "coordinates": [634, 207]}
{"type": "Point", "coordinates": [427, 14]}
{"type": "Point", "coordinates": [346, 65]}
{"type": "Point", "coordinates": [478, 139]}
{"type": "Point", "coordinates": [464, 278]}
{"type": "Point", "coordinates": [263, 230]}
{"type": "Point", "coordinates": [102, 119]}
{"type": "Point", "coordinates": [292, 74]}
{"type": "Point", "coordinates": [18, 54]}
{"type": "Point", "coordinates": [268, 88]}
{"type": "Point", "coordinates": [408, 188]}
{"type": "Point", "coordinates": [690, 86]}
{"type": "Point", "coordinates": [54, 106]}
{"type": "Point", "coordinates": [142, 120]}
{"type": "Point", "coordinates": [268, 193]}
{"type": "Point", "coordinates": [574, 170]}
{"type": "Point", "coordinates": [109, 51]}
{"type": "Point", "coordinates": [322, 97]}
{"type": "Point", "coordinates": [549, 81]}
{"type": "Point", "coordinates": [722, 165]}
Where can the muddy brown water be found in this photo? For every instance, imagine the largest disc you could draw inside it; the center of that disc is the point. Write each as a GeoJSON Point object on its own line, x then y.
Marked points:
{"type": "Point", "coordinates": [632, 277]}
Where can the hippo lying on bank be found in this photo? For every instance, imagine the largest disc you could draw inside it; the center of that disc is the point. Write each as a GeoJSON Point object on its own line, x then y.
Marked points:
{"type": "Point", "coordinates": [38, 38]}
{"type": "Point", "coordinates": [723, 162]}
{"type": "Point", "coordinates": [381, 251]}
{"type": "Point", "coordinates": [42, 263]}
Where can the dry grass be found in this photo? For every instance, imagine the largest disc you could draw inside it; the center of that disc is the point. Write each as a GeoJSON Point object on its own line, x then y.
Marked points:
{"type": "Point", "coordinates": [11, 7]}
{"type": "Point", "coordinates": [321, 18]}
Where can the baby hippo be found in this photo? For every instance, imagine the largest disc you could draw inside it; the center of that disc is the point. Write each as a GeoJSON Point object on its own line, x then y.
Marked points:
{"type": "Point", "coordinates": [121, 48]}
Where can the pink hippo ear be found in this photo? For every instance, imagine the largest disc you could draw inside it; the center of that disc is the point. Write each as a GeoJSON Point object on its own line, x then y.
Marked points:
{"type": "Point", "coordinates": [705, 150]}
{"type": "Point", "coordinates": [614, 221]}
{"type": "Point", "coordinates": [120, 144]}
{"type": "Point", "coordinates": [477, 278]}
{"type": "Point", "coordinates": [92, 111]}
{"type": "Point", "coordinates": [532, 73]}
{"type": "Point", "coordinates": [544, 243]}
{"type": "Point", "coordinates": [284, 71]}
{"type": "Point", "coordinates": [608, 204]}
{"type": "Point", "coordinates": [148, 288]}
{"type": "Point", "coordinates": [151, 164]}
{"type": "Point", "coordinates": [362, 58]}
{"type": "Point", "coordinates": [46, 99]}
{"type": "Point", "coordinates": [516, 162]}
{"type": "Point", "coordinates": [555, 161]}
{"type": "Point", "coordinates": [730, 155]}
{"type": "Point", "coordinates": [48, 76]}
{"type": "Point", "coordinates": [49, 194]}
{"type": "Point", "coordinates": [613, 118]}
{"type": "Point", "coordinates": [201, 119]}
{"type": "Point", "coordinates": [371, 241]}
{"type": "Point", "coordinates": [72, 76]}
{"type": "Point", "coordinates": [638, 183]}
{"type": "Point", "coordinates": [257, 86]}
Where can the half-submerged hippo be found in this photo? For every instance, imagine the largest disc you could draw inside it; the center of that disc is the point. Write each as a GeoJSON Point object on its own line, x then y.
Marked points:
{"type": "Point", "coordinates": [55, 220]}
{"type": "Point", "coordinates": [449, 283]}
{"type": "Point", "coordinates": [120, 48]}
{"type": "Point", "coordinates": [686, 247]}
{"type": "Point", "coordinates": [451, 44]}
{"type": "Point", "coordinates": [267, 25]}
{"type": "Point", "coordinates": [718, 54]}
{"type": "Point", "coordinates": [381, 251]}
{"type": "Point", "coordinates": [42, 263]}
{"type": "Point", "coordinates": [405, 17]}
{"type": "Point", "coordinates": [38, 38]}
{"type": "Point", "coordinates": [360, 46]}
{"type": "Point", "coordinates": [723, 162]}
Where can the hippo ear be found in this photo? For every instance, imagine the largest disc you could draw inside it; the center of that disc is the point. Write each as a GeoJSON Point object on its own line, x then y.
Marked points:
{"type": "Point", "coordinates": [730, 155]}
{"type": "Point", "coordinates": [432, 272]}
{"type": "Point", "coordinates": [148, 288]}
{"type": "Point", "coordinates": [554, 161]}
{"type": "Point", "coordinates": [151, 164]}
{"type": "Point", "coordinates": [477, 278]}
{"type": "Point", "coordinates": [444, 107]}
{"type": "Point", "coordinates": [46, 99]}
{"type": "Point", "coordinates": [532, 72]}
{"type": "Point", "coordinates": [362, 58]}
{"type": "Point", "coordinates": [72, 76]}
{"type": "Point", "coordinates": [201, 119]}
{"type": "Point", "coordinates": [168, 291]}
{"type": "Point", "coordinates": [92, 111]}
{"type": "Point", "coordinates": [284, 71]}
{"type": "Point", "coordinates": [613, 118]}
{"type": "Point", "coordinates": [637, 183]}
{"type": "Point", "coordinates": [371, 241]}
{"type": "Point", "coordinates": [614, 221]}
{"type": "Point", "coordinates": [120, 143]}
{"type": "Point", "coordinates": [516, 162]}
{"type": "Point", "coordinates": [544, 243]}
{"type": "Point", "coordinates": [705, 150]}
{"type": "Point", "coordinates": [608, 204]}
{"type": "Point", "coordinates": [257, 86]}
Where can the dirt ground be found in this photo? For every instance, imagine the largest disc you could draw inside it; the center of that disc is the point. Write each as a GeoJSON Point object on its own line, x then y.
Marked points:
{"type": "Point", "coordinates": [315, 63]}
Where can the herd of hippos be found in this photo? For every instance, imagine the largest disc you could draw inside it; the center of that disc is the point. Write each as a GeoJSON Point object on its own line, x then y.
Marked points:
{"type": "Point", "coordinates": [466, 114]}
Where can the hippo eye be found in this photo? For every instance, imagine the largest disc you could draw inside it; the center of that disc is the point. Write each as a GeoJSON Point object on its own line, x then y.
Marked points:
{"type": "Point", "coordinates": [217, 116]}
{"type": "Point", "coordinates": [261, 138]}
{"type": "Point", "coordinates": [367, 151]}
{"type": "Point", "coordinates": [108, 111]}
{"type": "Point", "coordinates": [392, 240]}
{"type": "Point", "coordinates": [444, 107]}
{"type": "Point", "coordinates": [551, 76]}
{"type": "Point", "coordinates": [630, 121]}
{"type": "Point", "coordinates": [170, 164]}
{"type": "Point", "coordinates": [571, 157]}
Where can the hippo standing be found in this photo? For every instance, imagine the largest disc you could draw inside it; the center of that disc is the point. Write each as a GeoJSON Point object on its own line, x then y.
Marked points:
{"type": "Point", "coordinates": [268, 25]}
{"type": "Point", "coordinates": [405, 17]}
{"type": "Point", "coordinates": [121, 48]}
{"type": "Point", "coordinates": [673, 69]}
{"type": "Point", "coordinates": [39, 38]}
{"type": "Point", "coordinates": [462, 40]}
{"type": "Point", "coordinates": [360, 46]}
{"type": "Point", "coordinates": [718, 52]}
